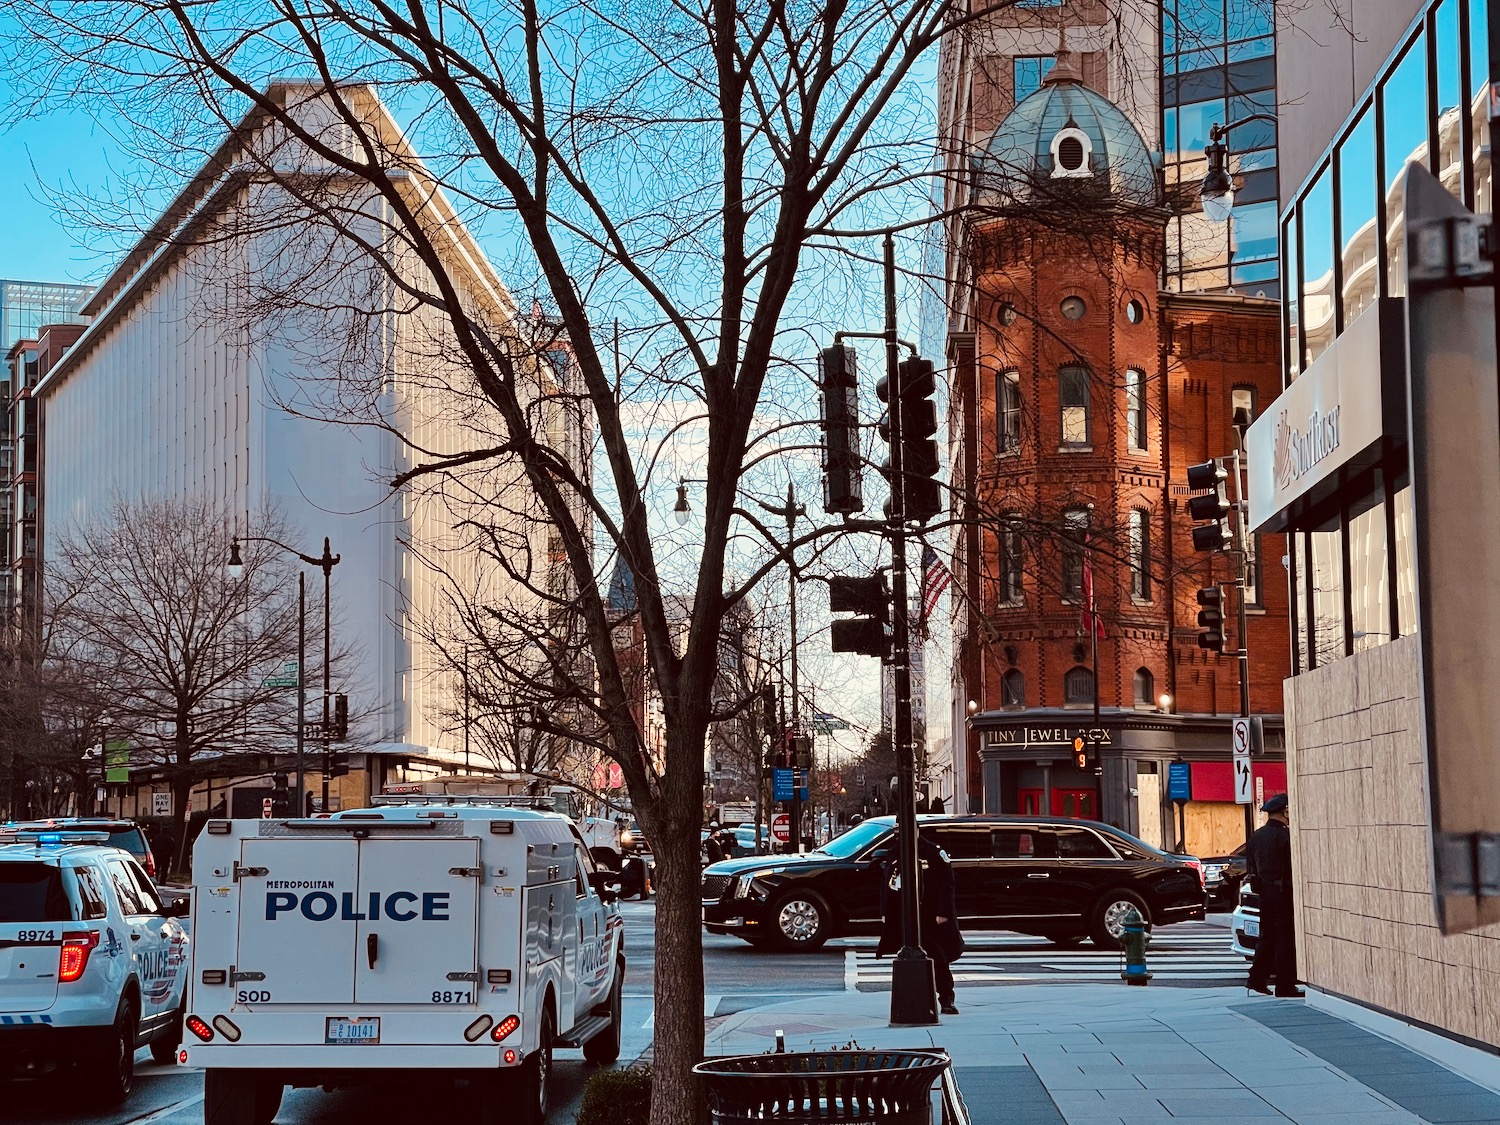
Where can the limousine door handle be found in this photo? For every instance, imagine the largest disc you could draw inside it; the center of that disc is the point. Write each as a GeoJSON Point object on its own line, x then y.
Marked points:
{"type": "Point", "coordinates": [1038, 874]}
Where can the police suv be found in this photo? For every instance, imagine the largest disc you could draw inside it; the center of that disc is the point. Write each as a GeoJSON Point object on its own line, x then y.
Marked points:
{"type": "Point", "coordinates": [93, 964]}
{"type": "Point", "coordinates": [459, 935]}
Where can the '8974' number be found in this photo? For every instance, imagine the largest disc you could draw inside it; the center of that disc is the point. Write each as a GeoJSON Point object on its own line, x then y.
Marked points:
{"type": "Point", "coordinates": [455, 996]}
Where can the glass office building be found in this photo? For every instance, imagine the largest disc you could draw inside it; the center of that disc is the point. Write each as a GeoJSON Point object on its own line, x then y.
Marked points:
{"type": "Point", "coordinates": [1218, 66]}
{"type": "Point", "coordinates": [1342, 236]}
{"type": "Point", "coordinates": [27, 305]}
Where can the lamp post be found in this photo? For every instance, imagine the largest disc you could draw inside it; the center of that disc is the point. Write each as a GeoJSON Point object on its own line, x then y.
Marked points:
{"type": "Point", "coordinates": [326, 563]}
{"type": "Point", "coordinates": [1217, 189]}
{"type": "Point", "coordinates": [789, 512]}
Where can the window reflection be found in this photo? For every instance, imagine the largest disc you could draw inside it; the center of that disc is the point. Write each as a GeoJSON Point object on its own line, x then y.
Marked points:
{"type": "Point", "coordinates": [1478, 106]}
{"type": "Point", "coordinates": [1449, 89]}
{"type": "Point", "coordinates": [1360, 254]}
{"type": "Point", "coordinates": [1299, 609]}
{"type": "Point", "coordinates": [1369, 594]}
{"type": "Point", "coordinates": [1291, 307]}
{"type": "Point", "coordinates": [1316, 214]}
{"type": "Point", "coordinates": [1404, 97]}
{"type": "Point", "coordinates": [1193, 123]}
{"type": "Point", "coordinates": [1327, 574]}
{"type": "Point", "coordinates": [1406, 573]}
{"type": "Point", "coordinates": [1254, 231]}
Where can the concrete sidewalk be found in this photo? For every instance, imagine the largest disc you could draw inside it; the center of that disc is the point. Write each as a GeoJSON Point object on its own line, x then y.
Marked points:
{"type": "Point", "coordinates": [1087, 1054]}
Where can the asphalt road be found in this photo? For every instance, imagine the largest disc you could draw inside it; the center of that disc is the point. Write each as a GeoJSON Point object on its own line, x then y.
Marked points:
{"type": "Point", "coordinates": [736, 975]}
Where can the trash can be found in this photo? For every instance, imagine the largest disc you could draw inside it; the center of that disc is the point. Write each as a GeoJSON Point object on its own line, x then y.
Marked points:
{"type": "Point", "coordinates": [823, 1087]}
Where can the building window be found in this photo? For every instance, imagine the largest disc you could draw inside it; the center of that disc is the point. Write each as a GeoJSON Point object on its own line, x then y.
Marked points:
{"type": "Point", "coordinates": [1011, 560]}
{"type": "Point", "coordinates": [1075, 531]}
{"type": "Point", "coordinates": [1135, 407]}
{"type": "Point", "coordinates": [1255, 593]}
{"type": "Point", "coordinates": [1008, 412]}
{"type": "Point", "coordinates": [1078, 687]}
{"type": "Point", "coordinates": [1013, 690]}
{"type": "Point", "coordinates": [1073, 394]}
{"type": "Point", "coordinates": [1145, 688]}
{"type": "Point", "coordinates": [1027, 72]}
{"type": "Point", "coordinates": [1140, 554]}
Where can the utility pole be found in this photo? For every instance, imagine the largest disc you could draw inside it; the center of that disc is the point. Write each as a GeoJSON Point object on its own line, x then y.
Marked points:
{"type": "Point", "coordinates": [1240, 423]}
{"type": "Point", "coordinates": [789, 512]}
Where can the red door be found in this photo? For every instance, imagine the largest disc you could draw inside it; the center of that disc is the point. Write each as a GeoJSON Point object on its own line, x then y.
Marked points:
{"type": "Point", "coordinates": [1030, 801]}
{"type": "Point", "coordinates": [1074, 802]}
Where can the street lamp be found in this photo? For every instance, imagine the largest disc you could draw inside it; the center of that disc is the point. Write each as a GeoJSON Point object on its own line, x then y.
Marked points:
{"type": "Point", "coordinates": [1217, 189]}
{"type": "Point", "coordinates": [789, 512]}
{"type": "Point", "coordinates": [326, 563]}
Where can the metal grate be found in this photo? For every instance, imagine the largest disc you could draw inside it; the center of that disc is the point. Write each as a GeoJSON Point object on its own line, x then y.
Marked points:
{"type": "Point", "coordinates": [714, 886]}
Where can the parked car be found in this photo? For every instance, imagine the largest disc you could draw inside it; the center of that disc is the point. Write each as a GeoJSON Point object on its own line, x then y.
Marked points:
{"type": "Point", "coordinates": [744, 840]}
{"type": "Point", "coordinates": [1053, 877]}
{"type": "Point", "coordinates": [1245, 925]}
{"type": "Point", "coordinates": [1222, 875]}
{"type": "Point", "coordinates": [123, 833]}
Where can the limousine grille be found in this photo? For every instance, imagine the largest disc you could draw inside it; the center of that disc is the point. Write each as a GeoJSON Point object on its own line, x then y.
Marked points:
{"type": "Point", "coordinates": [714, 886]}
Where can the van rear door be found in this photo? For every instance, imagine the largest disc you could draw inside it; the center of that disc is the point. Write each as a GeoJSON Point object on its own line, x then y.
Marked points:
{"type": "Point", "coordinates": [417, 938]}
{"type": "Point", "coordinates": [297, 932]}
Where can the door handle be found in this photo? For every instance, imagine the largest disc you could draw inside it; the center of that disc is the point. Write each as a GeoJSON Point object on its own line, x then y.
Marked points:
{"type": "Point", "coordinates": [135, 937]}
{"type": "Point", "coordinates": [1038, 875]}
{"type": "Point", "coordinates": [372, 948]}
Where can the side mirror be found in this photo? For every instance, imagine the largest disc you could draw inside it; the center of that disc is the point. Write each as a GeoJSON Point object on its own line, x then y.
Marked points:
{"type": "Point", "coordinates": [604, 882]}
{"type": "Point", "coordinates": [178, 908]}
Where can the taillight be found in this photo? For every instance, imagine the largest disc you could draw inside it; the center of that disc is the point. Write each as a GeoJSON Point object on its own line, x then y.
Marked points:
{"type": "Point", "coordinates": [74, 957]}
{"type": "Point", "coordinates": [505, 1027]}
{"type": "Point", "coordinates": [1197, 865]}
{"type": "Point", "coordinates": [198, 1028]}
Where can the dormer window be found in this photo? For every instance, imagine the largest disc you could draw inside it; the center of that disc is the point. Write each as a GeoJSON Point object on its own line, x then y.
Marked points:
{"type": "Point", "coordinates": [1071, 152]}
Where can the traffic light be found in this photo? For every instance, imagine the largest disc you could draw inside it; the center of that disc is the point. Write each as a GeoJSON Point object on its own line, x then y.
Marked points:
{"type": "Point", "coordinates": [281, 797]}
{"type": "Point", "coordinates": [1209, 476]}
{"type": "Point", "coordinates": [922, 499]}
{"type": "Point", "coordinates": [338, 765]}
{"type": "Point", "coordinates": [838, 380]}
{"type": "Point", "coordinates": [340, 732]}
{"type": "Point", "coordinates": [1080, 753]}
{"type": "Point", "coordinates": [869, 600]}
{"type": "Point", "coordinates": [802, 752]}
{"type": "Point", "coordinates": [768, 706]}
{"type": "Point", "coordinates": [1211, 618]}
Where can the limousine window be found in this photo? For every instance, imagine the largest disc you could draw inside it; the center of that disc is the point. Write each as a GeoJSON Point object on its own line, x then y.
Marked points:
{"type": "Point", "coordinates": [963, 842]}
{"type": "Point", "coordinates": [1023, 843]}
{"type": "Point", "coordinates": [1080, 843]}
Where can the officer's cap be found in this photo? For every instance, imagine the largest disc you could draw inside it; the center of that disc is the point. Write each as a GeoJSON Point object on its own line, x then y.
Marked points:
{"type": "Point", "coordinates": [1275, 804]}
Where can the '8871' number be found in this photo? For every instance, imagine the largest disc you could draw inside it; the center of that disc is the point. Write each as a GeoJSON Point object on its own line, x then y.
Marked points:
{"type": "Point", "coordinates": [456, 996]}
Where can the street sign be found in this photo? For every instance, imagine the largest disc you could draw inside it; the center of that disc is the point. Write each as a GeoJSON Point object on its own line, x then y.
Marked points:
{"type": "Point", "coordinates": [117, 761]}
{"type": "Point", "coordinates": [289, 676]}
{"type": "Point", "coordinates": [1242, 780]}
{"type": "Point", "coordinates": [161, 804]}
{"type": "Point", "coordinates": [1179, 781]}
{"type": "Point", "coordinates": [781, 826]}
{"type": "Point", "coordinates": [782, 783]}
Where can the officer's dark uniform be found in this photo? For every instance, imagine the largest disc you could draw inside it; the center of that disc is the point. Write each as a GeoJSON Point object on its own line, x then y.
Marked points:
{"type": "Point", "coordinates": [944, 942]}
{"type": "Point", "coordinates": [1269, 864]}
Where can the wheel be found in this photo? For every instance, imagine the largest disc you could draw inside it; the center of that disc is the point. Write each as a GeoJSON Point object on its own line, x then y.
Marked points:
{"type": "Point", "coordinates": [240, 1097]}
{"type": "Point", "coordinates": [164, 1046]}
{"type": "Point", "coordinates": [112, 1083]}
{"type": "Point", "coordinates": [1107, 922]}
{"type": "Point", "coordinates": [535, 1075]}
{"type": "Point", "coordinates": [800, 921]}
{"type": "Point", "coordinates": [605, 1047]}
{"type": "Point", "coordinates": [268, 1093]}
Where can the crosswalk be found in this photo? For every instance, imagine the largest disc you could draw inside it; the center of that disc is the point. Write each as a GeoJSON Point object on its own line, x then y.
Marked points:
{"type": "Point", "coordinates": [1192, 953]}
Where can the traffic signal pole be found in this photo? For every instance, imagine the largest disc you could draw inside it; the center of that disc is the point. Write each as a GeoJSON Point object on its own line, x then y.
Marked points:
{"type": "Point", "coordinates": [913, 994]}
{"type": "Point", "coordinates": [1242, 540]}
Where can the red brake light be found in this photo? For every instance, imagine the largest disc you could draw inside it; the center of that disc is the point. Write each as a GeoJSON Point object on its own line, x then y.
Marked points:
{"type": "Point", "coordinates": [74, 957]}
{"type": "Point", "coordinates": [1197, 865]}
{"type": "Point", "coordinates": [198, 1028]}
{"type": "Point", "coordinates": [505, 1027]}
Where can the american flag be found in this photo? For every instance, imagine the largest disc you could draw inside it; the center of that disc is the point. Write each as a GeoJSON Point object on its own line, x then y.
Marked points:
{"type": "Point", "coordinates": [1089, 618]}
{"type": "Point", "coordinates": [935, 579]}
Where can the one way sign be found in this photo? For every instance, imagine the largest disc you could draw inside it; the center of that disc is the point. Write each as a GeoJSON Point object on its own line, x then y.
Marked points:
{"type": "Point", "coordinates": [1244, 788]}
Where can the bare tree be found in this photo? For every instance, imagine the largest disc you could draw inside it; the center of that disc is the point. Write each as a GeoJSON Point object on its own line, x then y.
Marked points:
{"type": "Point", "coordinates": [163, 648]}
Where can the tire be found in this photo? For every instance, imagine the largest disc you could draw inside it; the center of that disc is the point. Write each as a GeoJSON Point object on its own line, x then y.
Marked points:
{"type": "Point", "coordinates": [1105, 918]}
{"type": "Point", "coordinates": [240, 1097]}
{"type": "Point", "coordinates": [800, 922]}
{"type": "Point", "coordinates": [536, 1076]}
{"type": "Point", "coordinates": [268, 1091]}
{"type": "Point", "coordinates": [164, 1046]}
{"type": "Point", "coordinates": [604, 1048]}
{"type": "Point", "coordinates": [115, 1077]}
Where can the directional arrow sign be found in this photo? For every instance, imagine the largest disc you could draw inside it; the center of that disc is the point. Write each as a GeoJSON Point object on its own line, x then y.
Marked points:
{"type": "Point", "coordinates": [1243, 785]}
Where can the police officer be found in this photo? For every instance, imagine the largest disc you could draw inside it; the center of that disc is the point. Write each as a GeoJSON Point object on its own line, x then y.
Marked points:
{"type": "Point", "coordinates": [937, 916]}
{"type": "Point", "coordinates": [713, 847]}
{"type": "Point", "coordinates": [1269, 864]}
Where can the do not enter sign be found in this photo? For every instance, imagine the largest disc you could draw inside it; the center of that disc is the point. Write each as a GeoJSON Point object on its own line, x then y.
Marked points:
{"type": "Point", "coordinates": [781, 827]}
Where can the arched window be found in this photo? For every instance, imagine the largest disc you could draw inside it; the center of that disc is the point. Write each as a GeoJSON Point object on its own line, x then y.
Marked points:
{"type": "Point", "coordinates": [1008, 412]}
{"type": "Point", "coordinates": [1078, 687]}
{"type": "Point", "coordinates": [1135, 407]}
{"type": "Point", "coordinates": [1140, 554]}
{"type": "Point", "coordinates": [1013, 690]}
{"type": "Point", "coordinates": [1145, 688]}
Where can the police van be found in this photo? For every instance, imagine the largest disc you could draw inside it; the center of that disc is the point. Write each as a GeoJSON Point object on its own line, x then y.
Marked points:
{"type": "Point", "coordinates": [461, 936]}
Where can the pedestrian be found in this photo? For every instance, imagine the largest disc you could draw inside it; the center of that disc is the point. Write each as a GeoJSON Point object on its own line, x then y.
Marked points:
{"type": "Point", "coordinates": [1268, 859]}
{"type": "Point", "coordinates": [713, 848]}
{"type": "Point", "coordinates": [937, 916]}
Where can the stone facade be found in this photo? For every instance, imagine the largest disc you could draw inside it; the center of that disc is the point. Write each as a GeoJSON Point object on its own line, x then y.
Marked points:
{"type": "Point", "coordinates": [1366, 927]}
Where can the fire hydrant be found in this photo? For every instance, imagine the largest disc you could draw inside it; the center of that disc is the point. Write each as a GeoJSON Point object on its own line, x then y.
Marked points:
{"type": "Point", "coordinates": [1134, 939]}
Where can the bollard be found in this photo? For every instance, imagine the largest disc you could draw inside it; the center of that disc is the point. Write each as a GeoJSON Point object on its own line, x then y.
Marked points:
{"type": "Point", "coordinates": [1135, 949]}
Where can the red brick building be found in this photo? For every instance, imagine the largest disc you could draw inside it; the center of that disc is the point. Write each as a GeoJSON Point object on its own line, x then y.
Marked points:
{"type": "Point", "coordinates": [1081, 394]}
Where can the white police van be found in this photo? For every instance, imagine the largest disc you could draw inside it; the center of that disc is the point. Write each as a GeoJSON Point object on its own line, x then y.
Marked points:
{"type": "Point", "coordinates": [93, 964]}
{"type": "Point", "coordinates": [461, 936]}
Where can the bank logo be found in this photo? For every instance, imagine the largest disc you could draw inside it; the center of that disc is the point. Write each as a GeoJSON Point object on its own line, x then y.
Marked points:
{"type": "Point", "coordinates": [1295, 451]}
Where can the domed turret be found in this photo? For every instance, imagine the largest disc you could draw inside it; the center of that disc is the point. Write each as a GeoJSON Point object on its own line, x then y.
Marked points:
{"type": "Point", "coordinates": [1065, 136]}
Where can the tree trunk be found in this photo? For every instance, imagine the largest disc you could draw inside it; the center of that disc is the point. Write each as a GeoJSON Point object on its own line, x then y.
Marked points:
{"type": "Point", "coordinates": [675, 1096]}
{"type": "Point", "coordinates": [182, 789]}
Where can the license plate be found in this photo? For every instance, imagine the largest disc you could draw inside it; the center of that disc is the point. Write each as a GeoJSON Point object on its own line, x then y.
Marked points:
{"type": "Point", "coordinates": [362, 1029]}
{"type": "Point", "coordinates": [1252, 927]}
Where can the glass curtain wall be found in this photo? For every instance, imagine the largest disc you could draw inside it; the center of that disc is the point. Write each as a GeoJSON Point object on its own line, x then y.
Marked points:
{"type": "Point", "coordinates": [1341, 249]}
